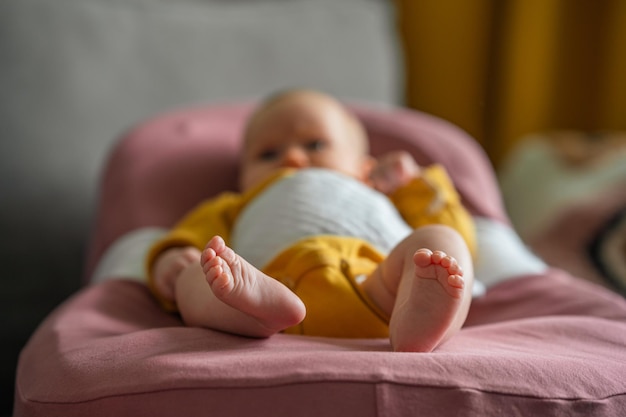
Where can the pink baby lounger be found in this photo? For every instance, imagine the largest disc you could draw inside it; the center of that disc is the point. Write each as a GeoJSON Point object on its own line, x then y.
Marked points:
{"type": "Point", "coordinates": [539, 342]}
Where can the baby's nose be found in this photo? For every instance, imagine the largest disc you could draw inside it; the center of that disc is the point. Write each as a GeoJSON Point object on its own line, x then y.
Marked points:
{"type": "Point", "coordinates": [295, 157]}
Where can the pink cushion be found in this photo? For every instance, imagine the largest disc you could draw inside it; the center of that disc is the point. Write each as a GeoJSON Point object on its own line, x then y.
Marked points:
{"type": "Point", "coordinates": [543, 345]}
{"type": "Point", "coordinates": [168, 164]}
{"type": "Point", "coordinates": [537, 345]}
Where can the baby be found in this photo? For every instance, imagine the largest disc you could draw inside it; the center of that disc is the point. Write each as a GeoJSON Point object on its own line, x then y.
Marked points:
{"type": "Point", "coordinates": [320, 237]}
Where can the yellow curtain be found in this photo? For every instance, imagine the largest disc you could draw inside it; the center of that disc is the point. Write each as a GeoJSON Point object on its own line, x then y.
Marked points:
{"type": "Point", "coordinates": [501, 69]}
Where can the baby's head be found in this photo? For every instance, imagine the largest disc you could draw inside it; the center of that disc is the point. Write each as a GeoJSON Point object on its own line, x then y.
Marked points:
{"type": "Point", "coordinates": [302, 129]}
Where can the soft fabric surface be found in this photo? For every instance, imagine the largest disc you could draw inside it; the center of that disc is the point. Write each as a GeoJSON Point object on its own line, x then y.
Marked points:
{"type": "Point", "coordinates": [126, 257]}
{"type": "Point", "coordinates": [541, 345]}
{"type": "Point", "coordinates": [566, 194]}
{"type": "Point", "coordinates": [538, 344]}
{"type": "Point", "coordinates": [356, 210]}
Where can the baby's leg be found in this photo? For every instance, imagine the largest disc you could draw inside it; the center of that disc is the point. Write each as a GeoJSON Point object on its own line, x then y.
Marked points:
{"type": "Point", "coordinates": [425, 284]}
{"type": "Point", "coordinates": [226, 293]}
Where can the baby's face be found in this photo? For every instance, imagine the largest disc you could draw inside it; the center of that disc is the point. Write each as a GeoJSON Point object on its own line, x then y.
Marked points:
{"type": "Point", "coordinates": [303, 130]}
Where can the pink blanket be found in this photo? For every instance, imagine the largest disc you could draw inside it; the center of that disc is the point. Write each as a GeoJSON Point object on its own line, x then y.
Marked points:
{"type": "Point", "coordinates": [544, 345]}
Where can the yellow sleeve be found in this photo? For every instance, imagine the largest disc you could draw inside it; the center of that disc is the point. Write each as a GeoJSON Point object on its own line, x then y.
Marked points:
{"type": "Point", "coordinates": [432, 199]}
{"type": "Point", "coordinates": [210, 218]}
{"type": "Point", "coordinates": [213, 217]}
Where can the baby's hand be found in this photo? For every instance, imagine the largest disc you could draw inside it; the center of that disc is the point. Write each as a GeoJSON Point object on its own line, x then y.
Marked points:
{"type": "Point", "coordinates": [394, 170]}
{"type": "Point", "coordinates": [169, 265]}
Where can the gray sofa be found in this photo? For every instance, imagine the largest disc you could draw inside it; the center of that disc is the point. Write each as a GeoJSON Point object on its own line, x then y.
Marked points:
{"type": "Point", "coordinates": [74, 74]}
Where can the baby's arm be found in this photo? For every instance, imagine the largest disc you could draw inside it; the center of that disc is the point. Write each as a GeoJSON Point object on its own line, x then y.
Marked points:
{"type": "Point", "coordinates": [423, 195]}
{"type": "Point", "coordinates": [167, 267]}
{"type": "Point", "coordinates": [394, 170]}
{"type": "Point", "coordinates": [431, 198]}
{"type": "Point", "coordinates": [181, 247]}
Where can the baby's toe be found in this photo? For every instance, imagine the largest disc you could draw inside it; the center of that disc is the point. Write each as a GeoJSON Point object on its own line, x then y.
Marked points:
{"type": "Point", "coordinates": [456, 281]}
{"type": "Point", "coordinates": [455, 268]}
{"type": "Point", "coordinates": [423, 257]}
{"type": "Point", "coordinates": [438, 256]}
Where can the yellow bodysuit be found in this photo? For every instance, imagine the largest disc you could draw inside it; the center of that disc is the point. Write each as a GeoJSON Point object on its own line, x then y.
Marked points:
{"type": "Point", "coordinates": [325, 270]}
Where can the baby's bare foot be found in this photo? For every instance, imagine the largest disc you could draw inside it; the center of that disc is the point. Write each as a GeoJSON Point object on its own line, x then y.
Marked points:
{"type": "Point", "coordinates": [443, 268]}
{"type": "Point", "coordinates": [242, 286]}
{"type": "Point", "coordinates": [422, 318]}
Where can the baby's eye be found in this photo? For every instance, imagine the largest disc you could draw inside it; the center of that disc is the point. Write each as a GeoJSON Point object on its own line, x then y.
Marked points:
{"type": "Point", "coordinates": [315, 145]}
{"type": "Point", "coordinates": [268, 155]}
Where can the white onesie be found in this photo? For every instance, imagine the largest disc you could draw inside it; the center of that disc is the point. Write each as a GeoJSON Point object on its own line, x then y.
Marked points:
{"type": "Point", "coordinates": [315, 202]}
